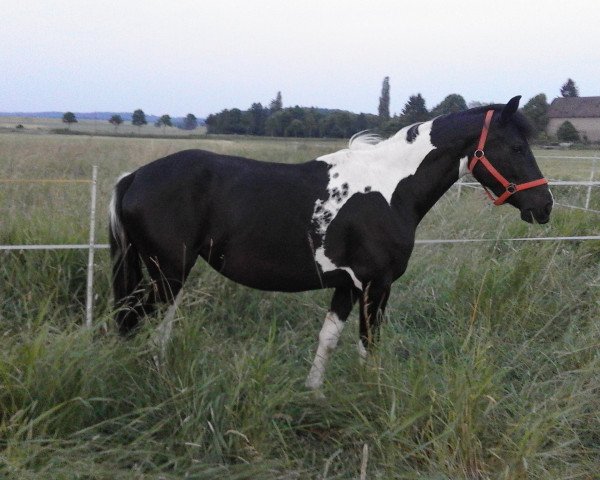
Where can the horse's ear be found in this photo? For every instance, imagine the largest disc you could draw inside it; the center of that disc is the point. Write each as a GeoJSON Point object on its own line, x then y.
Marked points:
{"type": "Point", "coordinates": [509, 109]}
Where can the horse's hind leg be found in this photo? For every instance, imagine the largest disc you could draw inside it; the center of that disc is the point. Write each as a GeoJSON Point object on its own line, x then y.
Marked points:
{"type": "Point", "coordinates": [335, 320]}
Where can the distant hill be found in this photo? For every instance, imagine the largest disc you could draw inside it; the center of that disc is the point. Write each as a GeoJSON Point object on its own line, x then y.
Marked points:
{"type": "Point", "coordinates": [102, 116]}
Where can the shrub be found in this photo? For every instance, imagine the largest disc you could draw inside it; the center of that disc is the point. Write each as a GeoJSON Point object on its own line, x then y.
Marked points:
{"type": "Point", "coordinates": [567, 132]}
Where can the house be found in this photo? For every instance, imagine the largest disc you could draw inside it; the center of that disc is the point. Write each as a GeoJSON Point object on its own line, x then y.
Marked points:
{"type": "Point", "coordinates": [582, 112]}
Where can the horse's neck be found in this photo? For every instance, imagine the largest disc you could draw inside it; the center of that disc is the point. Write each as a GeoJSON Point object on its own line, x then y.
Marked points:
{"type": "Point", "coordinates": [408, 170]}
{"type": "Point", "coordinates": [441, 167]}
{"type": "Point", "coordinates": [415, 195]}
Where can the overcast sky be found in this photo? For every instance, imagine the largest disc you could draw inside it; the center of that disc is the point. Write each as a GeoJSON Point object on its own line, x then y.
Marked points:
{"type": "Point", "coordinates": [186, 56]}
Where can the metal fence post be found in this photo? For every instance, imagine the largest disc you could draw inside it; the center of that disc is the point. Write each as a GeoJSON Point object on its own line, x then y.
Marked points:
{"type": "Point", "coordinates": [90, 269]}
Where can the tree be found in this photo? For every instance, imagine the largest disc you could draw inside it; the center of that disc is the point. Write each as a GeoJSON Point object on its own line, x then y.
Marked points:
{"type": "Point", "coordinates": [311, 124]}
{"type": "Point", "coordinates": [384, 101]}
{"type": "Point", "coordinates": [257, 116]}
{"type": "Point", "coordinates": [139, 118]}
{"type": "Point", "coordinates": [536, 110]}
{"type": "Point", "coordinates": [414, 110]}
{"type": "Point", "coordinates": [295, 129]}
{"type": "Point", "coordinates": [276, 104]}
{"type": "Point", "coordinates": [116, 120]}
{"type": "Point", "coordinates": [164, 121]}
{"type": "Point", "coordinates": [567, 132]}
{"type": "Point", "coordinates": [569, 89]}
{"type": "Point", "coordinates": [278, 122]}
{"type": "Point", "coordinates": [451, 104]}
{"type": "Point", "coordinates": [190, 122]}
{"type": "Point", "coordinates": [69, 118]}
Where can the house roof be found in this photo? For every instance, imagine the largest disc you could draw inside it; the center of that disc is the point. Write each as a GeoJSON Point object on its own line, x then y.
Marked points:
{"type": "Point", "coordinates": [574, 107]}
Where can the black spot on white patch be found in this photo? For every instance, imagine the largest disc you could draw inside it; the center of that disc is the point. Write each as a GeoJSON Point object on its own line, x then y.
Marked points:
{"type": "Point", "coordinates": [337, 195]}
{"type": "Point", "coordinates": [335, 175]}
{"type": "Point", "coordinates": [413, 132]}
{"type": "Point", "coordinates": [367, 189]}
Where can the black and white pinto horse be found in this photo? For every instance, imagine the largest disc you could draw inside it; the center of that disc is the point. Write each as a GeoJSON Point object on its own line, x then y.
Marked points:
{"type": "Point", "coordinates": [345, 221]}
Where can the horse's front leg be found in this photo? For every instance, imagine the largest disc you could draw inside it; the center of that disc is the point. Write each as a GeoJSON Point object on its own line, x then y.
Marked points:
{"type": "Point", "coordinates": [341, 305]}
{"type": "Point", "coordinates": [373, 301]}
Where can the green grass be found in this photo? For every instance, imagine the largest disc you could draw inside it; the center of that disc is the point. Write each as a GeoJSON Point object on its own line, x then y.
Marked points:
{"type": "Point", "coordinates": [42, 126]}
{"type": "Point", "coordinates": [488, 365]}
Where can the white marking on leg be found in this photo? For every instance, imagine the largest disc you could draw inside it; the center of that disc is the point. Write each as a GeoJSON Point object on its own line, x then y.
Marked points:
{"type": "Point", "coordinates": [328, 339]}
{"type": "Point", "coordinates": [163, 332]}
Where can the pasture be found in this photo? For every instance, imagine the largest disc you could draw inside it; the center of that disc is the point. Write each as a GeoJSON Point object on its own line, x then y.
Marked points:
{"type": "Point", "coordinates": [43, 126]}
{"type": "Point", "coordinates": [488, 365]}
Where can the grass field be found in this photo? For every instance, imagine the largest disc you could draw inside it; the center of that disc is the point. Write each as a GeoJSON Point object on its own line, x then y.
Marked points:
{"type": "Point", "coordinates": [488, 365]}
{"type": "Point", "coordinates": [42, 126]}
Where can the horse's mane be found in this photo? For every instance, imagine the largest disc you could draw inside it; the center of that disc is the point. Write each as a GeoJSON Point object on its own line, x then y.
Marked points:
{"type": "Point", "coordinates": [519, 120]}
{"type": "Point", "coordinates": [363, 140]}
{"type": "Point", "coordinates": [367, 139]}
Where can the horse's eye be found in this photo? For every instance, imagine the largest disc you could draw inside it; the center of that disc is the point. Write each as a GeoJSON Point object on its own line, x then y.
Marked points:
{"type": "Point", "coordinates": [517, 148]}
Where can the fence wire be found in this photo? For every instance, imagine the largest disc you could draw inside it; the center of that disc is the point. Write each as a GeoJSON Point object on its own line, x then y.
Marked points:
{"type": "Point", "coordinates": [92, 246]}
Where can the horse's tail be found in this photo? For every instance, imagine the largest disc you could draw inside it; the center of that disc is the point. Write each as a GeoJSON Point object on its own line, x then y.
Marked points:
{"type": "Point", "coordinates": [126, 263]}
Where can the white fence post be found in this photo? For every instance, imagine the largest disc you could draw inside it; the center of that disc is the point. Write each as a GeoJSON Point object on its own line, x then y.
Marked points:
{"type": "Point", "coordinates": [589, 192]}
{"type": "Point", "coordinates": [90, 270]}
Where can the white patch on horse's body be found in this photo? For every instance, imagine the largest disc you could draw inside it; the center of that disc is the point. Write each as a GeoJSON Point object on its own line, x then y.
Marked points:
{"type": "Point", "coordinates": [328, 339]}
{"type": "Point", "coordinates": [328, 266]}
{"type": "Point", "coordinates": [367, 166]}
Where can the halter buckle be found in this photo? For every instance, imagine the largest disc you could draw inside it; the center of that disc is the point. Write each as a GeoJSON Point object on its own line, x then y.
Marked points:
{"type": "Point", "coordinates": [479, 154]}
{"type": "Point", "coordinates": [511, 188]}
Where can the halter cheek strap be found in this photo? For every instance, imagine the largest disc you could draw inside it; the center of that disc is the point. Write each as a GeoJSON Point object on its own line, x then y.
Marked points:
{"type": "Point", "coordinates": [479, 157]}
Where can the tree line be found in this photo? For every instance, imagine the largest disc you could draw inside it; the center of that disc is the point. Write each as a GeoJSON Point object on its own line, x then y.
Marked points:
{"type": "Point", "coordinates": [297, 121]}
{"type": "Point", "coordinates": [277, 121]}
{"type": "Point", "coordinates": [138, 118]}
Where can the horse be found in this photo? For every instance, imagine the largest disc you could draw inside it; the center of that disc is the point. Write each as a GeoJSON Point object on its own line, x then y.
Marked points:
{"type": "Point", "coordinates": [344, 221]}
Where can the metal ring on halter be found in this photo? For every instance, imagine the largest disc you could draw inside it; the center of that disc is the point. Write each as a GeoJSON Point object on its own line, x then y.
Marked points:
{"type": "Point", "coordinates": [479, 154]}
{"type": "Point", "coordinates": [511, 188]}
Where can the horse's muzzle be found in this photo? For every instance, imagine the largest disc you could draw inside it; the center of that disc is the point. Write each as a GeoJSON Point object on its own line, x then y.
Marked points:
{"type": "Point", "coordinates": [537, 215]}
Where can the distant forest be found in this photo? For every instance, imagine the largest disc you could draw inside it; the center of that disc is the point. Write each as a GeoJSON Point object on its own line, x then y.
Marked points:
{"type": "Point", "coordinates": [297, 121]}
{"type": "Point", "coordinates": [277, 121]}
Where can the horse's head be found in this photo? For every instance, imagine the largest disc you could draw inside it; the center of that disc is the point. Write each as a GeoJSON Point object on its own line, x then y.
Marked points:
{"type": "Point", "coordinates": [502, 162]}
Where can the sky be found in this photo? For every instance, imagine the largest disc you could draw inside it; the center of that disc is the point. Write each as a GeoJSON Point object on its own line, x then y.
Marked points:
{"type": "Point", "coordinates": [184, 56]}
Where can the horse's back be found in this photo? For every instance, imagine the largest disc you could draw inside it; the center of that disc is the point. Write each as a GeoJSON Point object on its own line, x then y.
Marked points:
{"type": "Point", "coordinates": [250, 220]}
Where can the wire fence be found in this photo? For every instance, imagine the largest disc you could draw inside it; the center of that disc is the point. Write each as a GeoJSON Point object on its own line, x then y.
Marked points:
{"type": "Point", "coordinates": [92, 246]}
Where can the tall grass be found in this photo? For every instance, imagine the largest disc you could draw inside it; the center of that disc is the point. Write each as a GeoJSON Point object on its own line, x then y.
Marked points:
{"type": "Point", "coordinates": [487, 367]}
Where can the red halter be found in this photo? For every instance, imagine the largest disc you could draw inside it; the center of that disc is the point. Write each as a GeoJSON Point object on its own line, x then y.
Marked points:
{"type": "Point", "coordinates": [479, 156]}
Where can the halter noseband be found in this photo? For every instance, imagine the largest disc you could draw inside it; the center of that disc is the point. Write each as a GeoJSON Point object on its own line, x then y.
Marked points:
{"type": "Point", "coordinates": [479, 156]}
